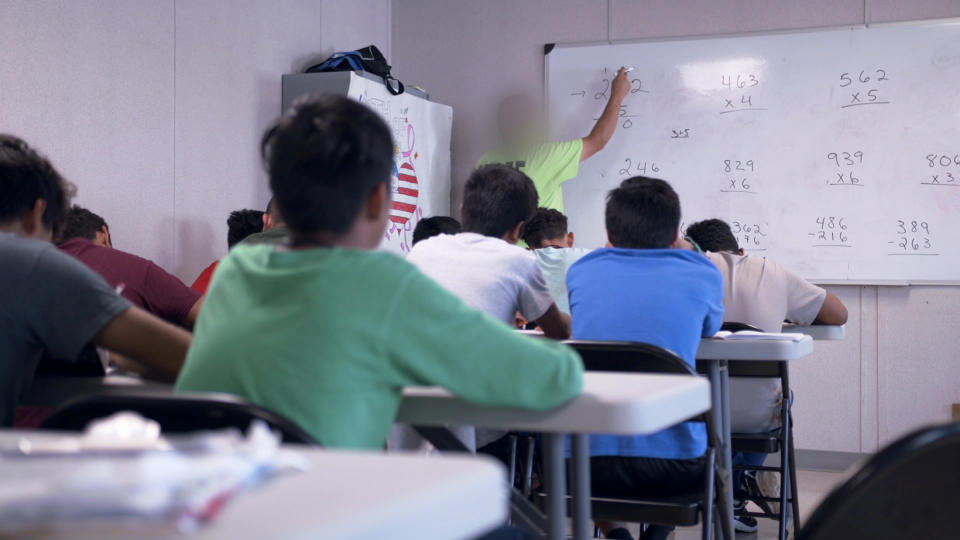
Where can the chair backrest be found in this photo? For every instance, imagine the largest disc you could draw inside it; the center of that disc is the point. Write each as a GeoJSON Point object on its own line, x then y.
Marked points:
{"type": "Point", "coordinates": [910, 489]}
{"type": "Point", "coordinates": [629, 357]}
{"type": "Point", "coordinates": [176, 413]}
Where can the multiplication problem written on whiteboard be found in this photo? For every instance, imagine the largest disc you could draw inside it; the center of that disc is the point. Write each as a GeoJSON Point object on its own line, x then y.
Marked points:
{"type": "Point", "coordinates": [846, 163]}
{"type": "Point", "coordinates": [943, 170]}
{"type": "Point", "coordinates": [866, 87]}
{"type": "Point", "coordinates": [739, 95]}
{"type": "Point", "coordinates": [739, 176]}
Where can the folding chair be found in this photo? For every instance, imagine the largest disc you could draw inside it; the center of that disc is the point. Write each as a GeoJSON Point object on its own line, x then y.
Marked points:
{"type": "Point", "coordinates": [176, 413]}
{"type": "Point", "coordinates": [777, 441]}
{"type": "Point", "coordinates": [688, 509]}
{"type": "Point", "coordinates": [910, 489]}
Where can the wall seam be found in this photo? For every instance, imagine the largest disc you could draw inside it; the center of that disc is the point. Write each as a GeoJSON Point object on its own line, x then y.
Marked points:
{"type": "Point", "coordinates": [876, 299]}
{"type": "Point", "coordinates": [860, 357]}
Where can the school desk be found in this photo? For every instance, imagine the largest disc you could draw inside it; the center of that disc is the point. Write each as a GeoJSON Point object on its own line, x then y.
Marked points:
{"type": "Point", "coordinates": [612, 403]}
{"type": "Point", "coordinates": [355, 495]}
{"type": "Point", "coordinates": [819, 332]}
{"type": "Point", "coordinates": [714, 355]}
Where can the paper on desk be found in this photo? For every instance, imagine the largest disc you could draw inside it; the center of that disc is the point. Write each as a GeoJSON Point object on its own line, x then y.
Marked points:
{"type": "Point", "coordinates": [185, 484]}
{"type": "Point", "coordinates": [753, 335]}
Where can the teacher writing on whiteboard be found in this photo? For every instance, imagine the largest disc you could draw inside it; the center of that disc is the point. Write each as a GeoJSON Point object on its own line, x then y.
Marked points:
{"type": "Point", "coordinates": [550, 164]}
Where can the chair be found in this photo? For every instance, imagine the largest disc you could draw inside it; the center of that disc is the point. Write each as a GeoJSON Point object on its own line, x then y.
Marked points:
{"type": "Point", "coordinates": [176, 413]}
{"type": "Point", "coordinates": [685, 510]}
{"type": "Point", "coordinates": [910, 489]}
{"type": "Point", "coordinates": [778, 441]}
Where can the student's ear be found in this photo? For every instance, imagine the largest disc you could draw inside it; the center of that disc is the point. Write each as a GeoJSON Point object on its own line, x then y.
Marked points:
{"type": "Point", "coordinates": [102, 237]}
{"type": "Point", "coordinates": [513, 235]}
{"type": "Point", "coordinates": [267, 221]}
{"type": "Point", "coordinates": [569, 239]}
{"type": "Point", "coordinates": [32, 221]}
{"type": "Point", "coordinates": [741, 252]}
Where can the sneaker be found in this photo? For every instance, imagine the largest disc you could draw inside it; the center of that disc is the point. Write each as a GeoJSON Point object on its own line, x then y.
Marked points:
{"type": "Point", "coordinates": [759, 484]}
{"type": "Point", "coordinates": [744, 524]}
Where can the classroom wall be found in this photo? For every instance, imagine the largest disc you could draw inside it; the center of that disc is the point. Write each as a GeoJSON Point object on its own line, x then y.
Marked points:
{"type": "Point", "coordinates": [896, 369]}
{"type": "Point", "coordinates": [155, 108]}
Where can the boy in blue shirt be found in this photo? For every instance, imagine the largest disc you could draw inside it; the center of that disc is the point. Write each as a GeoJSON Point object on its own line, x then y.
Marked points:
{"type": "Point", "coordinates": [646, 289]}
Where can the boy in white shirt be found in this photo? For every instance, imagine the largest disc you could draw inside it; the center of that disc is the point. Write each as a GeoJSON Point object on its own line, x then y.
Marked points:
{"type": "Point", "coordinates": [483, 265]}
{"type": "Point", "coordinates": [488, 271]}
{"type": "Point", "coordinates": [546, 234]}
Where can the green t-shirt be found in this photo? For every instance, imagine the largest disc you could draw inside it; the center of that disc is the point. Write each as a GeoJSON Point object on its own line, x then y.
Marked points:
{"type": "Point", "coordinates": [329, 338]}
{"type": "Point", "coordinates": [549, 165]}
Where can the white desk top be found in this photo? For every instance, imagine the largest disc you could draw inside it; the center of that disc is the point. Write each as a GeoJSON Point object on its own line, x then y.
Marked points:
{"type": "Point", "coordinates": [614, 403]}
{"type": "Point", "coordinates": [819, 332]}
{"type": "Point", "coordinates": [722, 349]}
{"type": "Point", "coordinates": [358, 495]}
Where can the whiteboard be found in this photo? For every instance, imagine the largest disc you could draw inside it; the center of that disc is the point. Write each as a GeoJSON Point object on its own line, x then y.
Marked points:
{"type": "Point", "coordinates": [834, 152]}
{"type": "Point", "coordinates": [420, 183]}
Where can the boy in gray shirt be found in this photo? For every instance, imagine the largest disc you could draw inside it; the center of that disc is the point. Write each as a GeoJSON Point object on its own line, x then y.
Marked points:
{"type": "Point", "coordinates": [51, 303]}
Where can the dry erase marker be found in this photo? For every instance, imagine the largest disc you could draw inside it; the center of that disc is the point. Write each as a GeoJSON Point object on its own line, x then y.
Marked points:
{"type": "Point", "coordinates": [628, 70]}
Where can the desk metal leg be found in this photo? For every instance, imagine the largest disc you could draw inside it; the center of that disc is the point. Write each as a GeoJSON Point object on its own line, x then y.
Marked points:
{"type": "Point", "coordinates": [727, 442]}
{"type": "Point", "coordinates": [720, 390]}
{"type": "Point", "coordinates": [580, 485]}
{"type": "Point", "coordinates": [556, 485]}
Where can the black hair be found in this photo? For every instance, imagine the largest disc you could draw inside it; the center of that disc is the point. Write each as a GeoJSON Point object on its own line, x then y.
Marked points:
{"type": "Point", "coordinates": [26, 176]}
{"type": "Point", "coordinates": [243, 223]}
{"type": "Point", "coordinates": [713, 235]}
{"type": "Point", "coordinates": [643, 213]}
{"type": "Point", "coordinates": [496, 198]}
{"type": "Point", "coordinates": [81, 223]}
{"type": "Point", "coordinates": [324, 160]}
{"type": "Point", "coordinates": [546, 224]}
{"type": "Point", "coordinates": [433, 226]}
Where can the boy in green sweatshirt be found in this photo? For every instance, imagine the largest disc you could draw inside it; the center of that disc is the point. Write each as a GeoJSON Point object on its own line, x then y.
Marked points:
{"type": "Point", "coordinates": [327, 332]}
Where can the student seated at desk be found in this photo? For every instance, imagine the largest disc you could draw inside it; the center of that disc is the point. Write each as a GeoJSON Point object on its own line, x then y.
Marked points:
{"type": "Point", "coordinates": [240, 225]}
{"type": "Point", "coordinates": [761, 293]}
{"type": "Point", "coordinates": [642, 289]}
{"type": "Point", "coordinates": [435, 226]}
{"type": "Point", "coordinates": [87, 238]}
{"type": "Point", "coordinates": [546, 234]}
{"type": "Point", "coordinates": [325, 330]}
{"type": "Point", "coordinates": [274, 230]}
{"type": "Point", "coordinates": [51, 303]}
{"type": "Point", "coordinates": [483, 264]}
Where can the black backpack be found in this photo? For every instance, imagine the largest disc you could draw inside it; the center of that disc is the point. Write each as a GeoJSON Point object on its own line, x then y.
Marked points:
{"type": "Point", "coordinates": [368, 59]}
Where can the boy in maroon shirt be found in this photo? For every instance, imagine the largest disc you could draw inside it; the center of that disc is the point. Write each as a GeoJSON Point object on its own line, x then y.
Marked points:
{"type": "Point", "coordinates": [87, 238]}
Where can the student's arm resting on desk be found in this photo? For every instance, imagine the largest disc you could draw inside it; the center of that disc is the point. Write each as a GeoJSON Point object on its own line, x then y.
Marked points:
{"type": "Point", "coordinates": [435, 339]}
{"type": "Point", "coordinates": [536, 303]}
{"type": "Point", "coordinates": [832, 311]}
{"type": "Point", "coordinates": [606, 125]}
{"type": "Point", "coordinates": [158, 346]}
{"type": "Point", "coordinates": [810, 304]}
{"type": "Point", "coordinates": [554, 323]}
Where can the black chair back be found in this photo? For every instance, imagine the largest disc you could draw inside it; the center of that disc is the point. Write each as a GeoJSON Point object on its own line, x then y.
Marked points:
{"type": "Point", "coordinates": [910, 489]}
{"type": "Point", "coordinates": [626, 356]}
{"type": "Point", "coordinates": [176, 413]}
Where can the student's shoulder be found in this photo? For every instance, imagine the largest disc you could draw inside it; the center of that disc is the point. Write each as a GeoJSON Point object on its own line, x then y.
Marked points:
{"type": "Point", "coordinates": [42, 262]}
